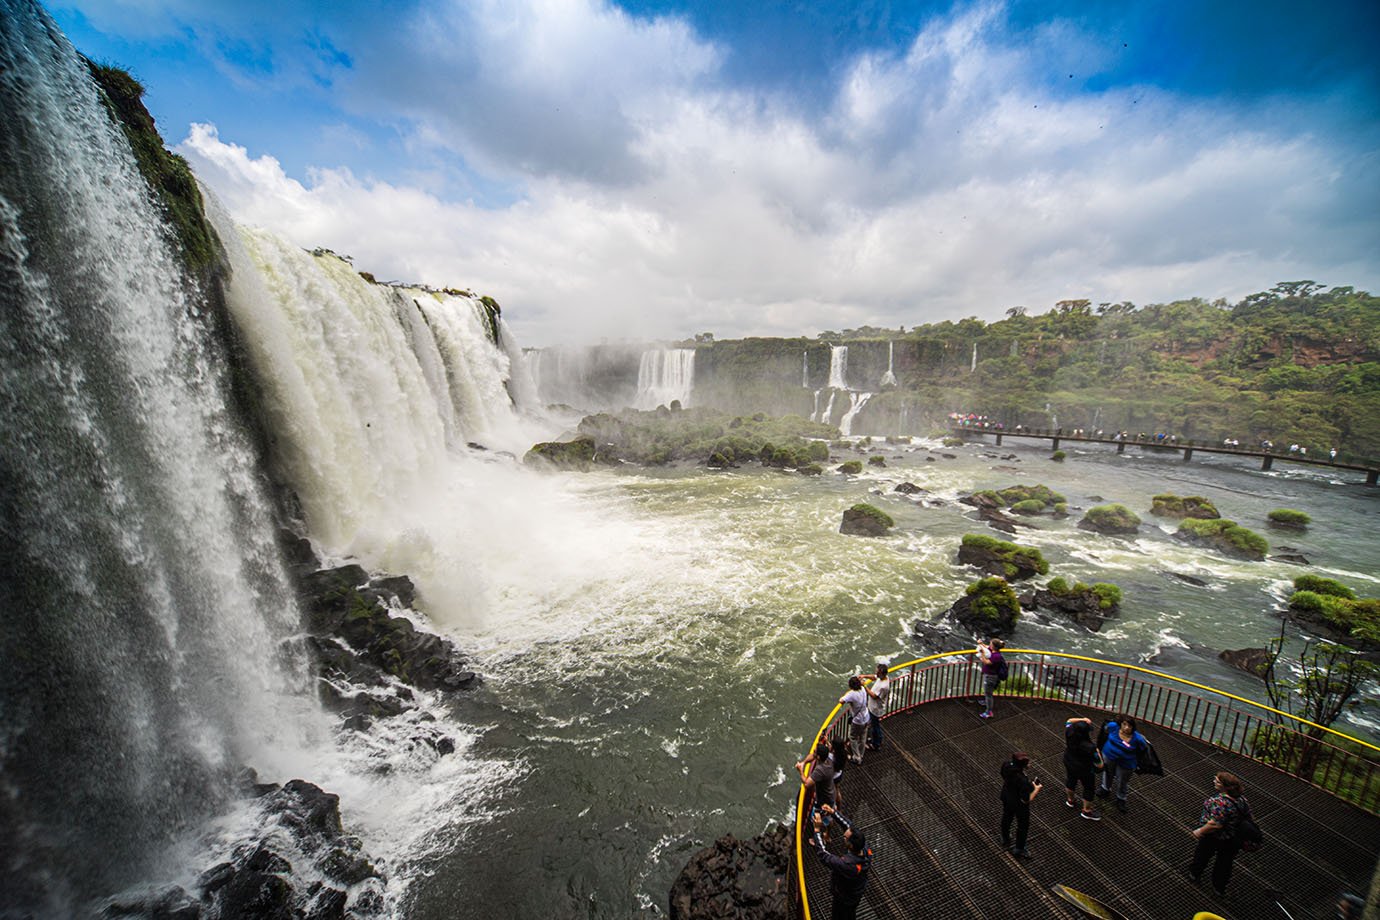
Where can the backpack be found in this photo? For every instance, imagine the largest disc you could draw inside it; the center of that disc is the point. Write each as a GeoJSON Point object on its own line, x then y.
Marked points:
{"type": "Point", "coordinates": [1102, 734]}
{"type": "Point", "coordinates": [1001, 670]}
{"type": "Point", "coordinates": [1246, 830]}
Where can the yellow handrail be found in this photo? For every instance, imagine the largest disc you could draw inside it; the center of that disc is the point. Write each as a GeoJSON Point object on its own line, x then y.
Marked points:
{"type": "Point", "coordinates": [829, 720]}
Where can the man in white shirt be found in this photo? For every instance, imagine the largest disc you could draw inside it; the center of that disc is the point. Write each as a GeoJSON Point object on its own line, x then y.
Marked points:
{"type": "Point", "coordinates": [858, 716]}
{"type": "Point", "coordinates": [877, 695]}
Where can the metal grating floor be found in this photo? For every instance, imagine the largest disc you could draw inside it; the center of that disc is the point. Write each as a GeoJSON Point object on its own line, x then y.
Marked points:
{"type": "Point", "coordinates": [928, 802]}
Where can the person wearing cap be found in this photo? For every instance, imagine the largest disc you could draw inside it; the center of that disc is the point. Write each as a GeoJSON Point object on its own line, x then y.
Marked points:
{"type": "Point", "coordinates": [847, 873]}
{"type": "Point", "coordinates": [1017, 792]}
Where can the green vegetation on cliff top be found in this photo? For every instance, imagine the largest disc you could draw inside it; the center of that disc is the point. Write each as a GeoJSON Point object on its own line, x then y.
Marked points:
{"type": "Point", "coordinates": [663, 436]}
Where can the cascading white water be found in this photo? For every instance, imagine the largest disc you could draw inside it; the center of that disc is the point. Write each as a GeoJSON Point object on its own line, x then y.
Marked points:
{"type": "Point", "coordinates": [838, 367]}
{"type": "Point", "coordinates": [665, 375]}
{"type": "Point", "coordinates": [973, 366]}
{"type": "Point", "coordinates": [141, 569]}
{"type": "Point", "coordinates": [889, 378]}
{"type": "Point", "coordinates": [805, 369]}
{"type": "Point", "coordinates": [855, 405]}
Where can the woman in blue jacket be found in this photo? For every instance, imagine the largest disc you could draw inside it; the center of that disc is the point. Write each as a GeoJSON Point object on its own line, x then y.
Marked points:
{"type": "Point", "coordinates": [1124, 745]}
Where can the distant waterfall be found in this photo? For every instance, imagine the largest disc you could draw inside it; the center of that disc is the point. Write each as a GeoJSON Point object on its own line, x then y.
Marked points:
{"type": "Point", "coordinates": [665, 375]}
{"type": "Point", "coordinates": [145, 590]}
{"type": "Point", "coordinates": [889, 378]}
{"type": "Point", "coordinates": [805, 369]}
{"type": "Point", "coordinates": [838, 367]}
{"type": "Point", "coordinates": [973, 366]}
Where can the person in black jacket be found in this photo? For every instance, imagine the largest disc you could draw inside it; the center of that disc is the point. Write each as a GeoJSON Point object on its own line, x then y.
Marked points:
{"type": "Point", "coordinates": [847, 873]}
{"type": "Point", "coordinates": [1017, 792]}
{"type": "Point", "coordinates": [1080, 759]}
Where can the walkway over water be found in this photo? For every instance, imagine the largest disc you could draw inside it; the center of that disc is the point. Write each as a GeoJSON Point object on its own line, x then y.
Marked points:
{"type": "Point", "coordinates": [928, 804]}
{"type": "Point", "coordinates": [1187, 447]}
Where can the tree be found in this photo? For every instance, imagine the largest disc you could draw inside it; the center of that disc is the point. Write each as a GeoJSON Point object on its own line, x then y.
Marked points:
{"type": "Point", "coordinates": [1328, 677]}
{"type": "Point", "coordinates": [1014, 312]}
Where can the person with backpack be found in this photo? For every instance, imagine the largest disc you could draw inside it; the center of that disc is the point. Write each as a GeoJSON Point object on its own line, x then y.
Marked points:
{"type": "Point", "coordinates": [1017, 792]}
{"type": "Point", "coordinates": [993, 672]}
{"type": "Point", "coordinates": [858, 716]}
{"type": "Point", "coordinates": [1216, 835]}
{"type": "Point", "coordinates": [1081, 760]}
{"type": "Point", "coordinates": [1123, 745]}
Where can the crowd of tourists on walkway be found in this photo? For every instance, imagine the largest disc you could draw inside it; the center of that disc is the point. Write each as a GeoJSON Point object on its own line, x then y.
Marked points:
{"type": "Point", "coordinates": [1099, 762]}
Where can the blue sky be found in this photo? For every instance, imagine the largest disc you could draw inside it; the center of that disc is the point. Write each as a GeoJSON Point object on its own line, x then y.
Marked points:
{"type": "Point", "coordinates": [661, 168]}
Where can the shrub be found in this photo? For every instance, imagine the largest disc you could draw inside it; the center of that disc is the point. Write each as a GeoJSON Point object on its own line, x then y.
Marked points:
{"type": "Point", "coordinates": [851, 466]}
{"type": "Point", "coordinates": [817, 451]}
{"type": "Point", "coordinates": [952, 442]}
{"type": "Point", "coordinates": [1287, 517]}
{"type": "Point", "coordinates": [1061, 509]}
{"type": "Point", "coordinates": [1018, 493]}
{"type": "Point", "coordinates": [1168, 504]}
{"type": "Point", "coordinates": [1319, 585]}
{"type": "Point", "coordinates": [1108, 595]}
{"type": "Point", "coordinates": [1058, 456]}
{"type": "Point", "coordinates": [1058, 586]}
{"type": "Point", "coordinates": [993, 601]}
{"type": "Point", "coordinates": [811, 469]}
{"type": "Point", "coordinates": [1110, 518]}
{"type": "Point", "coordinates": [1029, 506]}
{"type": "Point", "coordinates": [1224, 535]}
{"type": "Point", "coordinates": [1012, 557]}
{"type": "Point", "coordinates": [876, 460]}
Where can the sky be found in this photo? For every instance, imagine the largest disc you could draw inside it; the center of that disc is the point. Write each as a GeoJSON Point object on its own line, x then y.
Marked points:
{"type": "Point", "coordinates": [654, 169]}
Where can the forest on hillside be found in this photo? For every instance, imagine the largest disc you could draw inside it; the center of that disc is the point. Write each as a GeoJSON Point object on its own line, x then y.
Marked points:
{"type": "Point", "coordinates": [1298, 363]}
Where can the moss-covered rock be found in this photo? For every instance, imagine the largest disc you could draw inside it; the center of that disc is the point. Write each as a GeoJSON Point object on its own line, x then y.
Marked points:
{"type": "Point", "coordinates": [852, 467]}
{"type": "Point", "coordinates": [1320, 585]}
{"type": "Point", "coordinates": [697, 434]}
{"type": "Point", "coordinates": [1289, 519]}
{"type": "Point", "coordinates": [1013, 495]}
{"type": "Point", "coordinates": [1227, 537]}
{"type": "Point", "coordinates": [1088, 605]}
{"type": "Point", "coordinates": [1001, 558]}
{"type": "Point", "coordinates": [866, 521]}
{"type": "Point", "coordinates": [167, 174]}
{"type": "Point", "coordinates": [579, 454]}
{"type": "Point", "coordinates": [988, 607]}
{"type": "Point", "coordinates": [1169, 505]}
{"type": "Point", "coordinates": [1058, 456]}
{"type": "Point", "coordinates": [1347, 620]}
{"type": "Point", "coordinates": [1030, 506]}
{"type": "Point", "coordinates": [876, 460]}
{"type": "Point", "coordinates": [1110, 519]}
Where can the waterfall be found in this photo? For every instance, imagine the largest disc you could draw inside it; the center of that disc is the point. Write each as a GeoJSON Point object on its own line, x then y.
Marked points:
{"type": "Point", "coordinates": [889, 378]}
{"type": "Point", "coordinates": [855, 405]}
{"type": "Point", "coordinates": [665, 375]}
{"type": "Point", "coordinates": [973, 366]}
{"type": "Point", "coordinates": [805, 369]}
{"type": "Point", "coordinates": [145, 591]}
{"type": "Point", "coordinates": [370, 389]}
{"type": "Point", "coordinates": [838, 367]}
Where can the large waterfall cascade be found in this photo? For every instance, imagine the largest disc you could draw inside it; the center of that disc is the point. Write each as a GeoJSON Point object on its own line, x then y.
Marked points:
{"type": "Point", "coordinates": [889, 378]}
{"type": "Point", "coordinates": [665, 375]}
{"type": "Point", "coordinates": [838, 367]}
{"type": "Point", "coordinates": [144, 582]}
{"type": "Point", "coordinates": [838, 382]}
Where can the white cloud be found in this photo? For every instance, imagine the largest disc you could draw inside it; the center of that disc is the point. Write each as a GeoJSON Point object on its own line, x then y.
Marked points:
{"type": "Point", "coordinates": [948, 181]}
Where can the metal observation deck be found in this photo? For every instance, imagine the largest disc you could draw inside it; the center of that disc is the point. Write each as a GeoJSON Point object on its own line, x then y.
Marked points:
{"type": "Point", "coordinates": [928, 800]}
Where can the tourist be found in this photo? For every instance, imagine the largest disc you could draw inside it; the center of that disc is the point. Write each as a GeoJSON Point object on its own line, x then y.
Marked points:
{"type": "Point", "coordinates": [819, 780]}
{"type": "Point", "coordinates": [1123, 745]}
{"type": "Point", "coordinates": [1332, 455]}
{"type": "Point", "coordinates": [1081, 760]}
{"type": "Point", "coordinates": [993, 663]}
{"type": "Point", "coordinates": [858, 716]}
{"type": "Point", "coordinates": [1350, 906]}
{"type": "Point", "coordinates": [838, 759]}
{"type": "Point", "coordinates": [1215, 836]}
{"type": "Point", "coordinates": [877, 695]}
{"type": "Point", "coordinates": [1017, 792]}
{"type": "Point", "coordinates": [847, 873]}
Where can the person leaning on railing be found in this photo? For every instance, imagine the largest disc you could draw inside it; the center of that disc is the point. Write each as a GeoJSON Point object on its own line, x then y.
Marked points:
{"type": "Point", "coordinates": [847, 873]}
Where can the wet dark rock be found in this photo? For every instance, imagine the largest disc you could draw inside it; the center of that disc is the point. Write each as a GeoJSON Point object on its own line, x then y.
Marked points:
{"type": "Point", "coordinates": [863, 523]}
{"type": "Point", "coordinates": [1188, 579]}
{"type": "Point", "coordinates": [247, 781]}
{"type": "Point", "coordinates": [265, 860]}
{"type": "Point", "coordinates": [908, 488]}
{"type": "Point", "coordinates": [327, 904]}
{"type": "Point", "coordinates": [387, 588]}
{"type": "Point", "coordinates": [1000, 520]}
{"type": "Point", "coordinates": [297, 551]}
{"type": "Point", "coordinates": [1251, 660]}
{"type": "Point", "coordinates": [1292, 558]}
{"type": "Point", "coordinates": [215, 878]}
{"type": "Point", "coordinates": [929, 460]}
{"type": "Point", "coordinates": [342, 866]}
{"type": "Point", "coordinates": [255, 894]}
{"type": "Point", "coordinates": [941, 636]}
{"type": "Point", "coordinates": [949, 456]}
{"type": "Point", "coordinates": [743, 879]}
{"type": "Point", "coordinates": [307, 810]}
{"type": "Point", "coordinates": [172, 903]}
{"type": "Point", "coordinates": [1062, 677]}
{"type": "Point", "coordinates": [992, 610]}
{"type": "Point", "coordinates": [1083, 607]}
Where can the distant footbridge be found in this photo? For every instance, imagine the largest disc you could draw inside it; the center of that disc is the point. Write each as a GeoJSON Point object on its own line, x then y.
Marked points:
{"type": "Point", "coordinates": [1267, 457]}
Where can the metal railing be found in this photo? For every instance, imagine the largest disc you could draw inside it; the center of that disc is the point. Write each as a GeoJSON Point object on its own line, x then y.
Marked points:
{"type": "Point", "coordinates": [1313, 753]}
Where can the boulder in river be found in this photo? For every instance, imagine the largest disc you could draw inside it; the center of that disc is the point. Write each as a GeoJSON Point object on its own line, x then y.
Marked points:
{"type": "Point", "coordinates": [1251, 660]}
{"type": "Point", "coordinates": [1110, 519]}
{"type": "Point", "coordinates": [999, 557]}
{"type": "Point", "coordinates": [866, 521]}
{"type": "Point", "coordinates": [742, 879]}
